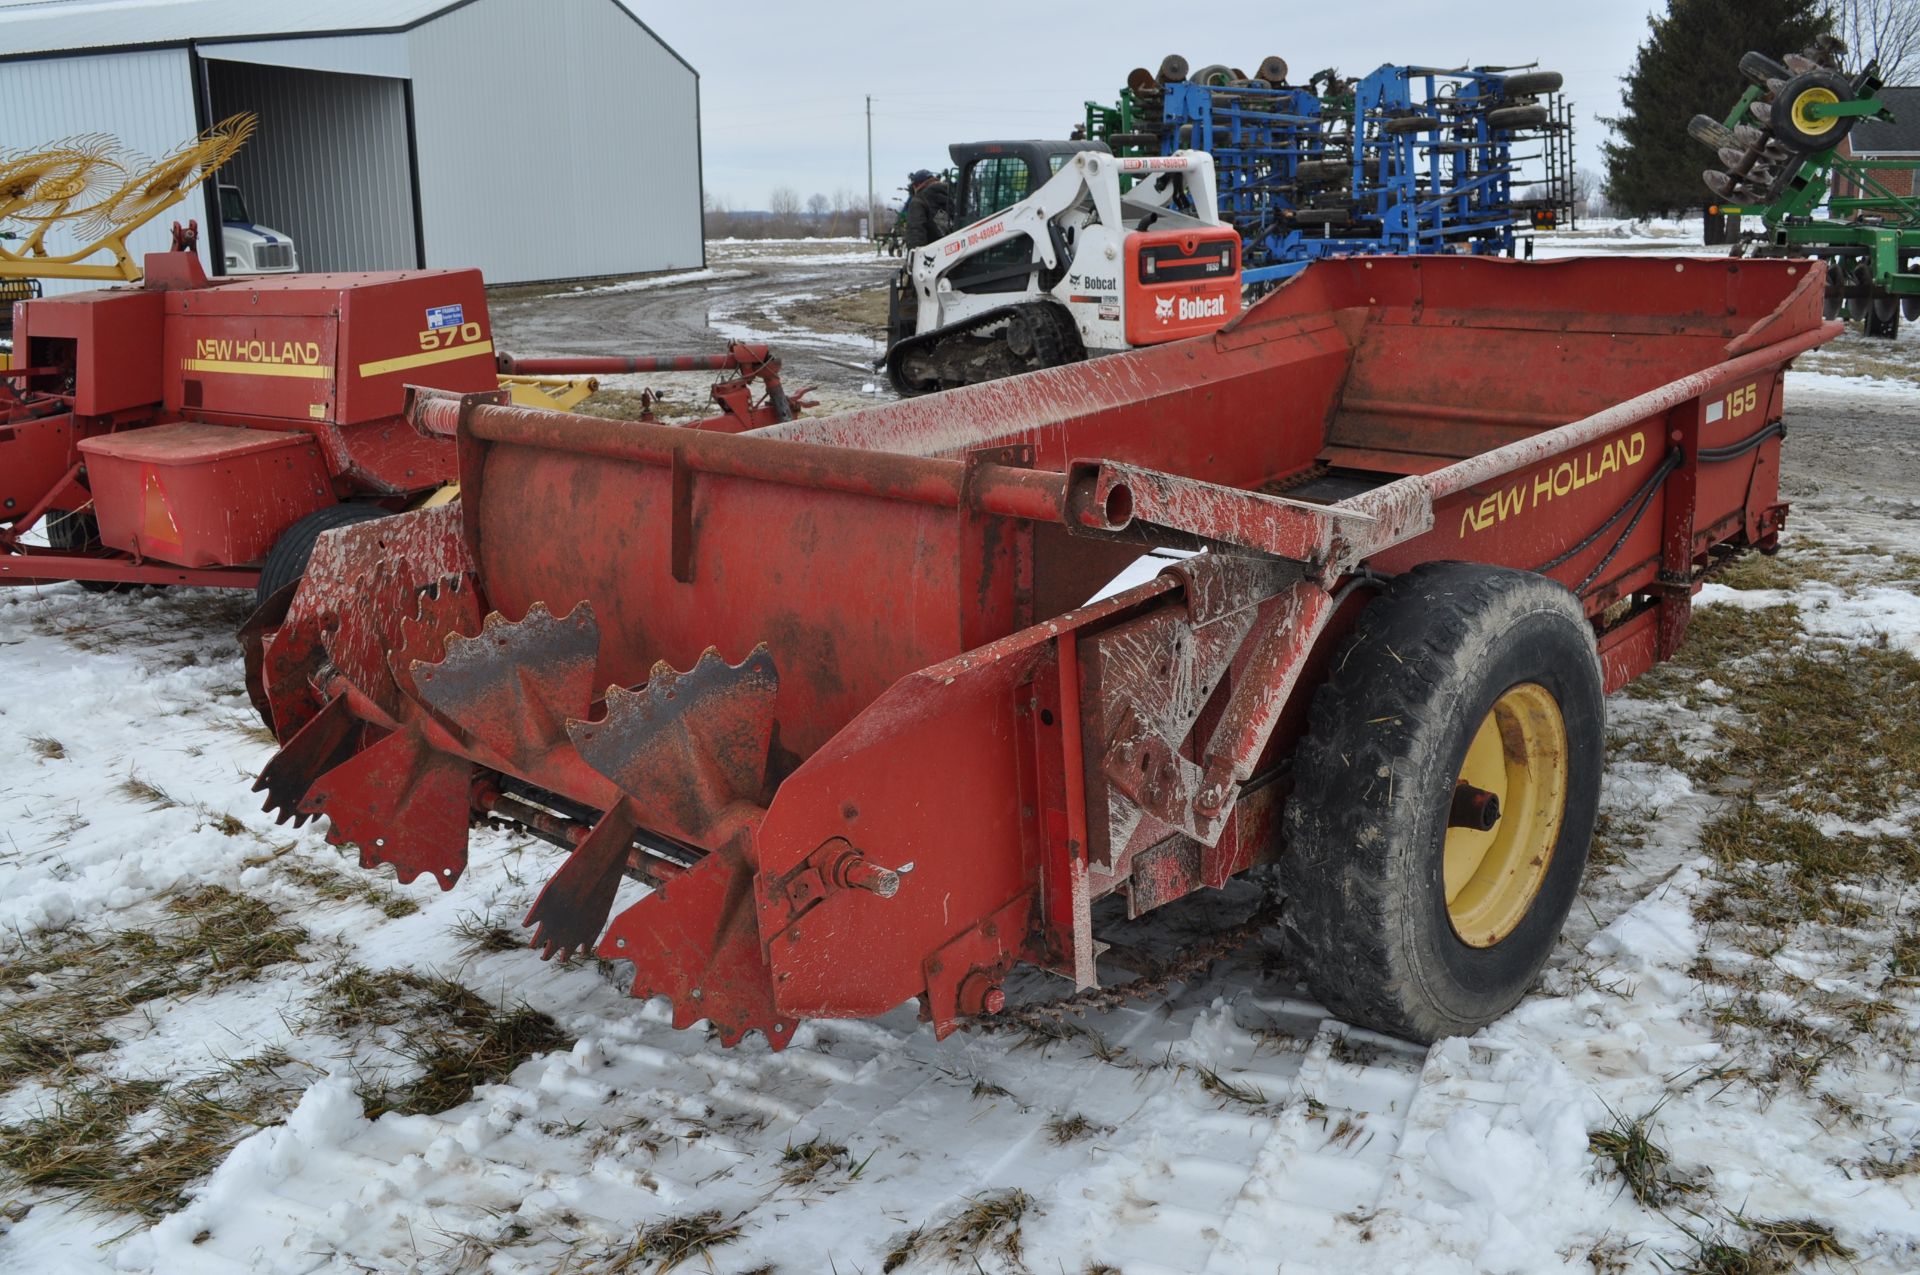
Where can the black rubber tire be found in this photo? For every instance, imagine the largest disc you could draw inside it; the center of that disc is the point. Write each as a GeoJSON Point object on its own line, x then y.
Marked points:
{"type": "Point", "coordinates": [1409, 124]}
{"type": "Point", "coordinates": [1373, 782]}
{"type": "Point", "coordinates": [1882, 319]}
{"type": "Point", "coordinates": [1323, 170]}
{"type": "Point", "coordinates": [1517, 117]}
{"type": "Point", "coordinates": [1910, 309]}
{"type": "Point", "coordinates": [1531, 83]}
{"type": "Point", "coordinates": [287, 560]}
{"type": "Point", "coordinates": [1762, 69]}
{"type": "Point", "coordinates": [1781, 120]}
{"type": "Point", "coordinates": [77, 533]}
{"type": "Point", "coordinates": [1710, 132]}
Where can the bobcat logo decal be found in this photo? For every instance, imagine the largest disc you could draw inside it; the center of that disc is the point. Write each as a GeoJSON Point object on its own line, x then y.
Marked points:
{"type": "Point", "coordinates": [1163, 308]}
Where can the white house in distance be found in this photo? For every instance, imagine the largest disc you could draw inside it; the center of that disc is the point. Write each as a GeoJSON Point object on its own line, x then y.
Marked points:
{"type": "Point", "coordinates": [535, 139]}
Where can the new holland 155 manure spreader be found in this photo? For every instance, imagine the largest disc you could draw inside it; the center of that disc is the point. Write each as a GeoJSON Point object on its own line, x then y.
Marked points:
{"type": "Point", "coordinates": [848, 693]}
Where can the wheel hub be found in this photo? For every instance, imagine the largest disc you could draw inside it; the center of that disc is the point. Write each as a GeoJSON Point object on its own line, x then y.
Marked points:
{"type": "Point", "coordinates": [1505, 816]}
{"type": "Point", "coordinates": [1807, 123]}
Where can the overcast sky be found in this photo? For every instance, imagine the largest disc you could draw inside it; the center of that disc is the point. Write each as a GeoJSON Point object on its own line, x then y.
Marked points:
{"type": "Point", "coordinates": [783, 85]}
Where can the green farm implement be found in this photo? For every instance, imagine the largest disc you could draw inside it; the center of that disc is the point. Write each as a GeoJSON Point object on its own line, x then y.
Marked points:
{"type": "Point", "coordinates": [1781, 147]}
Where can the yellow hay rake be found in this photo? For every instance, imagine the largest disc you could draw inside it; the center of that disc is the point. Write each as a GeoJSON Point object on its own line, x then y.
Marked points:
{"type": "Point", "coordinates": [99, 193]}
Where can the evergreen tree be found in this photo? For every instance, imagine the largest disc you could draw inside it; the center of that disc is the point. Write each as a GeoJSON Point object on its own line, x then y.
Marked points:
{"type": "Point", "coordinates": [1690, 65]}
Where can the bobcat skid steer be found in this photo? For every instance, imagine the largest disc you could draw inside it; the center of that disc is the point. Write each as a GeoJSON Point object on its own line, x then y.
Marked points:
{"type": "Point", "coordinates": [1077, 267]}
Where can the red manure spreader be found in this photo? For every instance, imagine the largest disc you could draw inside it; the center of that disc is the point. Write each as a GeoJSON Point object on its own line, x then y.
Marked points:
{"type": "Point", "coordinates": [205, 433]}
{"type": "Point", "coordinates": [855, 698]}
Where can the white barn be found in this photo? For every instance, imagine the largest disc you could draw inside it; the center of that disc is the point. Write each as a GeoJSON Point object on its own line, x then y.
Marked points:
{"type": "Point", "coordinates": [535, 139]}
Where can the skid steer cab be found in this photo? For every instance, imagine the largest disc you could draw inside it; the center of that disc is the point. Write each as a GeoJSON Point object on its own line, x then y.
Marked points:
{"type": "Point", "coordinates": [1071, 252]}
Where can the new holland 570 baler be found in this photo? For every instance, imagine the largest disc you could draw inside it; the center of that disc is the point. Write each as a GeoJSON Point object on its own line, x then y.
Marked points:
{"type": "Point", "coordinates": [848, 695]}
{"type": "Point", "coordinates": [204, 432]}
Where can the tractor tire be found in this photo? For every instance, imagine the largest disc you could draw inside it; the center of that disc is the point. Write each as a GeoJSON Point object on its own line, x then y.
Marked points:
{"type": "Point", "coordinates": [287, 560]}
{"type": "Point", "coordinates": [1910, 309]}
{"type": "Point", "coordinates": [1763, 70]}
{"type": "Point", "coordinates": [1416, 905]}
{"type": "Point", "coordinates": [1794, 127]}
{"type": "Point", "coordinates": [77, 533]}
{"type": "Point", "coordinates": [1409, 124]}
{"type": "Point", "coordinates": [1512, 117]}
{"type": "Point", "coordinates": [1882, 319]}
{"type": "Point", "coordinates": [1531, 83]}
{"type": "Point", "coordinates": [1710, 132]}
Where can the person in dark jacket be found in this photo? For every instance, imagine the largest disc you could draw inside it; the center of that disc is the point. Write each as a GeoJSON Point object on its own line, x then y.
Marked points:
{"type": "Point", "coordinates": [929, 209]}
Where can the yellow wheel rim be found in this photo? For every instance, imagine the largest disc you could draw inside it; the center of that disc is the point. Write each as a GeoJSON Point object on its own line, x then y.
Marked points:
{"type": "Point", "coordinates": [1808, 124]}
{"type": "Point", "coordinates": [1519, 755]}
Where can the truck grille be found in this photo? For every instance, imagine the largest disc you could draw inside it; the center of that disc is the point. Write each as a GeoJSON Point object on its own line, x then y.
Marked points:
{"type": "Point", "coordinates": [273, 256]}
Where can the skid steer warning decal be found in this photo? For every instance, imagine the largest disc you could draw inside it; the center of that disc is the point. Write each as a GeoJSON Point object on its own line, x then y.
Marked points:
{"type": "Point", "coordinates": [1528, 495]}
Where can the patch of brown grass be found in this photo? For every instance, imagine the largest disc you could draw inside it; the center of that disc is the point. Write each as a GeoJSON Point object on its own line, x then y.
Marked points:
{"type": "Point", "coordinates": [1072, 1127]}
{"type": "Point", "coordinates": [449, 1040]}
{"type": "Point", "coordinates": [1642, 1165]}
{"type": "Point", "coordinates": [86, 1148]}
{"type": "Point", "coordinates": [56, 996]}
{"type": "Point", "coordinates": [802, 1162]}
{"type": "Point", "coordinates": [986, 1224]}
{"type": "Point", "coordinates": [661, 1246]}
{"type": "Point", "coordinates": [340, 888]}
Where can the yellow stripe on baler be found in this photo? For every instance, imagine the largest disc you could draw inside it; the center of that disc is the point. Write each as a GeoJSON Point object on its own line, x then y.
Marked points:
{"type": "Point", "coordinates": [380, 367]}
{"type": "Point", "coordinates": [312, 371]}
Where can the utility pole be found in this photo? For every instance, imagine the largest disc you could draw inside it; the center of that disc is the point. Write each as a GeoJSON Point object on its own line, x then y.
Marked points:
{"type": "Point", "coordinates": [871, 227]}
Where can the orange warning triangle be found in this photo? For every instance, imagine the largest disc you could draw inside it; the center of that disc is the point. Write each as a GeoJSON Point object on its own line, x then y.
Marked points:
{"type": "Point", "coordinates": [156, 524]}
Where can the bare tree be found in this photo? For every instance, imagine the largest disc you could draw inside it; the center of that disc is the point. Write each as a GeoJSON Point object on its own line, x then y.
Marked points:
{"type": "Point", "coordinates": [784, 204]}
{"type": "Point", "coordinates": [1588, 201]}
{"type": "Point", "coordinates": [817, 206]}
{"type": "Point", "coordinates": [1888, 30]}
{"type": "Point", "coordinates": [717, 221]}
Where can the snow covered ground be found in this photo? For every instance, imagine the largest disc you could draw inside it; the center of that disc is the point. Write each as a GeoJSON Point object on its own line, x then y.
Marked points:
{"type": "Point", "coordinates": [201, 1009]}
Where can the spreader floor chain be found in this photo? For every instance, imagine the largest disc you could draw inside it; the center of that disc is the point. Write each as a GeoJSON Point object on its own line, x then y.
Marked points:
{"type": "Point", "coordinates": [867, 703]}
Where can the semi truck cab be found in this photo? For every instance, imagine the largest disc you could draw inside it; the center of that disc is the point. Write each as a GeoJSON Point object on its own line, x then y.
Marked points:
{"type": "Point", "coordinates": [250, 248]}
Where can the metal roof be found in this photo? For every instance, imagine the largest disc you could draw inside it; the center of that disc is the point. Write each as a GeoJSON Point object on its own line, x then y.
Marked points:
{"type": "Point", "coordinates": [1899, 136]}
{"type": "Point", "coordinates": [35, 28]}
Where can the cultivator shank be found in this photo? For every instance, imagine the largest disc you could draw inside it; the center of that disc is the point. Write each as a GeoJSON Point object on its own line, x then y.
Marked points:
{"type": "Point", "coordinates": [848, 695]}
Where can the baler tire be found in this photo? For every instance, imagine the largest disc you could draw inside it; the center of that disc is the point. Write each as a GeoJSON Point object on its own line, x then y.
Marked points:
{"type": "Point", "coordinates": [1792, 127]}
{"type": "Point", "coordinates": [287, 560]}
{"type": "Point", "coordinates": [1445, 653]}
{"type": "Point", "coordinates": [1531, 84]}
{"type": "Point", "coordinates": [77, 533]}
{"type": "Point", "coordinates": [1763, 70]}
{"type": "Point", "coordinates": [1910, 309]}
